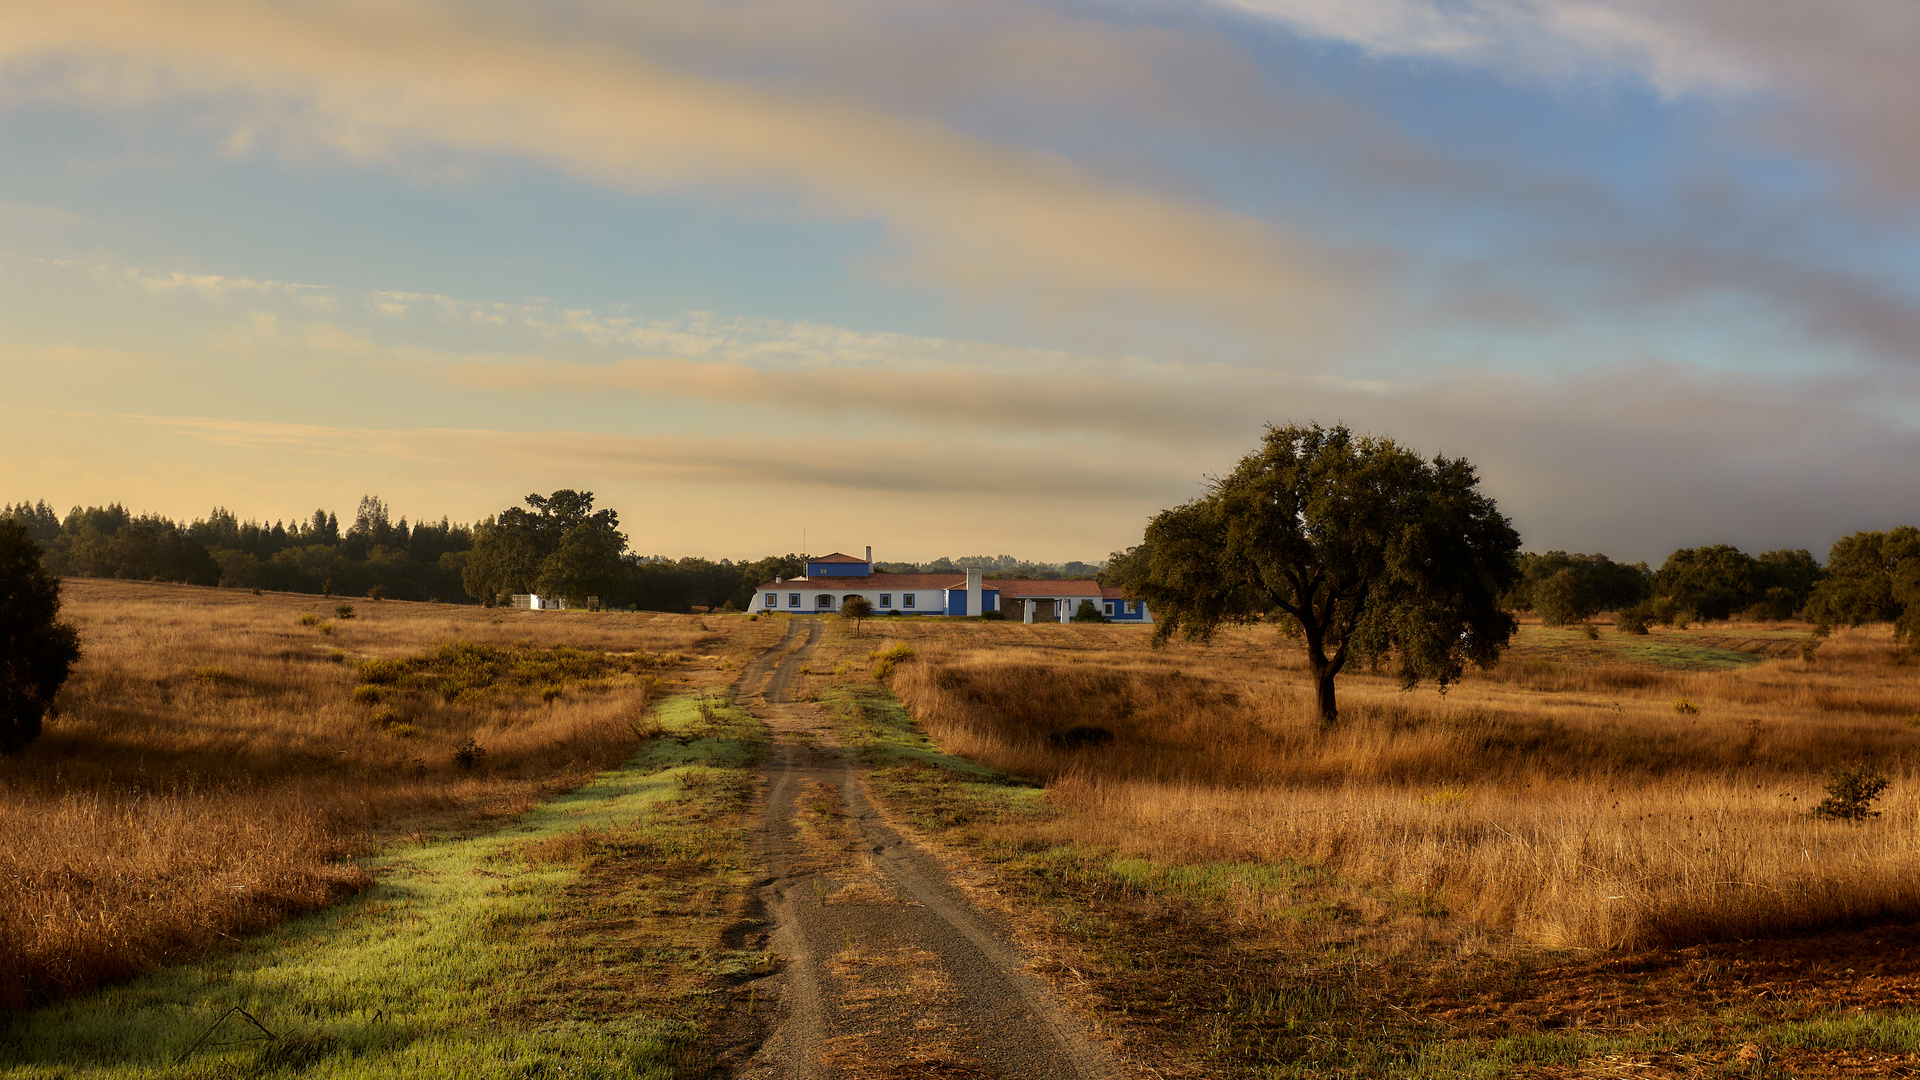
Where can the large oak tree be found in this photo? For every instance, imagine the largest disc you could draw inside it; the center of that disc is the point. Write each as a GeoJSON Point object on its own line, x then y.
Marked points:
{"type": "Point", "coordinates": [1361, 547]}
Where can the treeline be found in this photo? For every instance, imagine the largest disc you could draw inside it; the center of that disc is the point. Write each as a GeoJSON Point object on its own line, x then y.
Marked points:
{"type": "Point", "coordinates": [374, 554]}
{"type": "Point", "coordinates": [1869, 577]}
{"type": "Point", "coordinates": [1693, 585]}
{"type": "Point", "coordinates": [556, 545]}
{"type": "Point", "coordinates": [1000, 566]}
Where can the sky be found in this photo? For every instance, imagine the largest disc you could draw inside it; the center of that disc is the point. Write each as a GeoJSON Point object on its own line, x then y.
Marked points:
{"type": "Point", "coordinates": [984, 277]}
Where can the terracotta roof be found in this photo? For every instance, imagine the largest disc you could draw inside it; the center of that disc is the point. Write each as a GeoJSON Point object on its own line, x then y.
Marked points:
{"type": "Point", "coordinates": [1109, 592]}
{"type": "Point", "coordinates": [836, 557]}
{"type": "Point", "coordinates": [1045, 589]}
{"type": "Point", "coordinates": [857, 582]}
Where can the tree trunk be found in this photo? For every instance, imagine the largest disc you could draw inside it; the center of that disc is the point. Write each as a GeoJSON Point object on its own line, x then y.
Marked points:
{"type": "Point", "coordinates": [1323, 688]}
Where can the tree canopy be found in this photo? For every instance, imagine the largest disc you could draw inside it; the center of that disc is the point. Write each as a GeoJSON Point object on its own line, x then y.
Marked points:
{"type": "Point", "coordinates": [1872, 577]}
{"type": "Point", "coordinates": [36, 650]}
{"type": "Point", "coordinates": [1359, 546]}
{"type": "Point", "coordinates": [558, 546]}
{"type": "Point", "coordinates": [1565, 588]}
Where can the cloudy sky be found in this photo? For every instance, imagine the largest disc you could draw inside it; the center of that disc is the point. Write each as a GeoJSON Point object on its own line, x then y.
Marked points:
{"type": "Point", "coordinates": [992, 276]}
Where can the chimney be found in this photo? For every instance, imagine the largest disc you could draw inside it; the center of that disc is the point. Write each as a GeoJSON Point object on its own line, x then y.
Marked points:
{"type": "Point", "coordinates": [869, 556]}
{"type": "Point", "coordinates": [779, 580]}
{"type": "Point", "coordinates": [973, 590]}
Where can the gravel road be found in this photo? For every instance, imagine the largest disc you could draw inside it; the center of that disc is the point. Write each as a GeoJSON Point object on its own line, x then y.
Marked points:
{"type": "Point", "coordinates": [888, 969]}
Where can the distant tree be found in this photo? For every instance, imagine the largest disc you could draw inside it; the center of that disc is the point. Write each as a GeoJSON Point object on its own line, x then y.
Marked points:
{"type": "Point", "coordinates": [586, 562]}
{"type": "Point", "coordinates": [36, 650]}
{"type": "Point", "coordinates": [560, 545]}
{"type": "Point", "coordinates": [323, 529]}
{"type": "Point", "coordinates": [857, 608]}
{"type": "Point", "coordinates": [1711, 582]}
{"type": "Point", "coordinates": [1359, 545]}
{"type": "Point", "coordinates": [1872, 577]}
{"type": "Point", "coordinates": [41, 522]}
{"type": "Point", "coordinates": [1563, 588]}
{"type": "Point", "coordinates": [1785, 580]}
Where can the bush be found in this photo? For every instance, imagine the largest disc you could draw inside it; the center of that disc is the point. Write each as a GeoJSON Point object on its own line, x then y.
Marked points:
{"type": "Point", "coordinates": [1590, 631]}
{"type": "Point", "coordinates": [1633, 620]}
{"type": "Point", "coordinates": [384, 672]}
{"type": "Point", "coordinates": [885, 660]}
{"type": "Point", "coordinates": [343, 612]}
{"type": "Point", "coordinates": [996, 615]}
{"type": "Point", "coordinates": [309, 619]}
{"type": "Point", "coordinates": [36, 651]}
{"type": "Point", "coordinates": [369, 694]}
{"type": "Point", "coordinates": [1682, 705]}
{"type": "Point", "coordinates": [216, 676]}
{"type": "Point", "coordinates": [469, 754]}
{"type": "Point", "coordinates": [378, 592]}
{"type": "Point", "coordinates": [1087, 612]}
{"type": "Point", "coordinates": [1850, 794]}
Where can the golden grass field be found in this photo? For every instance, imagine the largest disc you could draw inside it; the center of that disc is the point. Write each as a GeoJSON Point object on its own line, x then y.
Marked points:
{"type": "Point", "coordinates": [212, 770]}
{"type": "Point", "coordinates": [1565, 798]}
{"type": "Point", "coordinates": [210, 767]}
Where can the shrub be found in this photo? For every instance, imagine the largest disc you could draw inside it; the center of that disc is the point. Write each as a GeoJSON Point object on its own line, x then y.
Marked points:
{"type": "Point", "coordinates": [325, 628]}
{"type": "Point", "coordinates": [369, 694]}
{"type": "Point", "coordinates": [1633, 620]}
{"type": "Point", "coordinates": [996, 614]}
{"type": "Point", "coordinates": [885, 660]}
{"type": "Point", "coordinates": [1590, 631]}
{"type": "Point", "coordinates": [384, 672]}
{"type": "Point", "coordinates": [337, 656]}
{"type": "Point", "coordinates": [378, 592]}
{"type": "Point", "coordinates": [216, 676]}
{"type": "Point", "coordinates": [469, 754]}
{"type": "Point", "coordinates": [343, 612]}
{"type": "Point", "coordinates": [309, 619]}
{"type": "Point", "coordinates": [1682, 705]}
{"type": "Point", "coordinates": [400, 729]}
{"type": "Point", "coordinates": [385, 716]}
{"type": "Point", "coordinates": [1850, 794]}
{"type": "Point", "coordinates": [1086, 612]}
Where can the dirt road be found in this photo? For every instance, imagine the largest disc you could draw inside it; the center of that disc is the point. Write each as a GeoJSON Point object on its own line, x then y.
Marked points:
{"type": "Point", "coordinates": [889, 971]}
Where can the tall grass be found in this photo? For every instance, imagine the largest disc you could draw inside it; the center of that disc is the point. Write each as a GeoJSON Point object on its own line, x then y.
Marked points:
{"type": "Point", "coordinates": [1561, 798]}
{"type": "Point", "coordinates": [209, 766]}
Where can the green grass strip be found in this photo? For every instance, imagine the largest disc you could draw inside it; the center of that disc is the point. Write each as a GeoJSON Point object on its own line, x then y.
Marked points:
{"type": "Point", "coordinates": [407, 979]}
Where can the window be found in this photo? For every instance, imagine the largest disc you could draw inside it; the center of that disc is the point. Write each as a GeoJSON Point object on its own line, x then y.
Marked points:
{"type": "Point", "coordinates": [906, 600]}
{"type": "Point", "coordinates": [793, 599]}
{"type": "Point", "coordinates": [824, 601]}
{"type": "Point", "coordinates": [1133, 607]}
{"type": "Point", "coordinates": [1109, 609]}
{"type": "Point", "coordinates": [886, 599]}
{"type": "Point", "coordinates": [773, 599]}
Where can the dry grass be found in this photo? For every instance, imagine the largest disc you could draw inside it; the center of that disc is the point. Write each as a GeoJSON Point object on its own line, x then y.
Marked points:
{"type": "Point", "coordinates": [1561, 799]}
{"type": "Point", "coordinates": [209, 767]}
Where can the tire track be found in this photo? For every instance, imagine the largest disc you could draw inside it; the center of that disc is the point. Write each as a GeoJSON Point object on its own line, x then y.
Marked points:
{"type": "Point", "coordinates": [889, 970]}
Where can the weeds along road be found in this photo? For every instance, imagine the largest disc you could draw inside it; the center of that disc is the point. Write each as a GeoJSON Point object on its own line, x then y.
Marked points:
{"type": "Point", "coordinates": [889, 969]}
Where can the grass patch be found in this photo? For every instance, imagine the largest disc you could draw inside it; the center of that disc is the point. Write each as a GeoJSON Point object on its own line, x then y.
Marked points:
{"type": "Point", "coordinates": [468, 957]}
{"type": "Point", "coordinates": [466, 670]}
{"type": "Point", "coordinates": [1687, 657]}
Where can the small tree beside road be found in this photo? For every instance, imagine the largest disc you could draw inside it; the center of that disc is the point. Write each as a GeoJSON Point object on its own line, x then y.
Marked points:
{"type": "Point", "coordinates": [857, 608]}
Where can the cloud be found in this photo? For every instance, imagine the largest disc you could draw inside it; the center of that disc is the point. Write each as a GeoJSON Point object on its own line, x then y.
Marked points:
{"type": "Point", "coordinates": [1833, 78]}
{"type": "Point", "coordinates": [374, 82]}
{"type": "Point", "coordinates": [1554, 38]}
{"type": "Point", "coordinates": [814, 464]}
